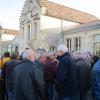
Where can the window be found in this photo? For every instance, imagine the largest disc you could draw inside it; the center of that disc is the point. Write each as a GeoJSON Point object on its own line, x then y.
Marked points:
{"type": "Point", "coordinates": [97, 48]}
{"type": "Point", "coordinates": [77, 43]}
{"type": "Point", "coordinates": [97, 38]}
{"type": "Point", "coordinates": [69, 44]}
{"type": "Point", "coordinates": [52, 48]}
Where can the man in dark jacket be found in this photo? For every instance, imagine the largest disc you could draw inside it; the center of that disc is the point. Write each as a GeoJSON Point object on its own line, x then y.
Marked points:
{"type": "Point", "coordinates": [66, 80]}
{"type": "Point", "coordinates": [84, 75]}
{"type": "Point", "coordinates": [95, 59]}
{"type": "Point", "coordinates": [26, 76]}
{"type": "Point", "coordinates": [7, 72]}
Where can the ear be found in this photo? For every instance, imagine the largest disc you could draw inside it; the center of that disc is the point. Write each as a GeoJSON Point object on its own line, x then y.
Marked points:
{"type": "Point", "coordinates": [30, 57]}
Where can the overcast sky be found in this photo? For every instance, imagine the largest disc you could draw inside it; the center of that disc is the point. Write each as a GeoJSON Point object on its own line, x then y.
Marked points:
{"type": "Point", "coordinates": [10, 9]}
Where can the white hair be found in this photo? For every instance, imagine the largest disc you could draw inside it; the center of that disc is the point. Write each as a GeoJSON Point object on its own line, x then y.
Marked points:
{"type": "Point", "coordinates": [26, 53]}
{"type": "Point", "coordinates": [77, 55]}
{"type": "Point", "coordinates": [63, 48]}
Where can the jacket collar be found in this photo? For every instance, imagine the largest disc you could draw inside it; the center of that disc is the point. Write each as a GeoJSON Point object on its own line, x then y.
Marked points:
{"type": "Point", "coordinates": [80, 59]}
{"type": "Point", "coordinates": [37, 62]}
{"type": "Point", "coordinates": [28, 61]}
{"type": "Point", "coordinates": [64, 55]}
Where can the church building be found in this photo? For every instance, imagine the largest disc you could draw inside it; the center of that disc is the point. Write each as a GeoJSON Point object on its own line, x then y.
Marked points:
{"type": "Point", "coordinates": [43, 22]}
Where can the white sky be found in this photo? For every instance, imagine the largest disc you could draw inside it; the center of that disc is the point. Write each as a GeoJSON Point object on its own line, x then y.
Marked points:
{"type": "Point", "coordinates": [10, 9]}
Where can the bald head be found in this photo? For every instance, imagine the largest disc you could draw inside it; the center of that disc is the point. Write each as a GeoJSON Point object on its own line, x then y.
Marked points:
{"type": "Point", "coordinates": [29, 54]}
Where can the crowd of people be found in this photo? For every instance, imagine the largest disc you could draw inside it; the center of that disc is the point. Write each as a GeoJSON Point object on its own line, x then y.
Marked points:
{"type": "Point", "coordinates": [58, 75]}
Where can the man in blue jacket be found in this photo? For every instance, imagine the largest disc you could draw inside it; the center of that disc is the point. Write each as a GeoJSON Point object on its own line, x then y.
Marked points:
{"type": "Point", "coordinates": [96, 81]}
{"type": "Point", "coordinates": [66, 80]}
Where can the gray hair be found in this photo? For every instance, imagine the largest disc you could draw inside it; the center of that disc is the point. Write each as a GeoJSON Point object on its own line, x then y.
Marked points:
{"type": "Point", "coordinates": [26, 53]}
{"type": "Point", "coordinates": [14, 55]}
{"type": "Point", "coordinates": [39, 54]}
{"type": "Point", "coordinates": [63, 48]}
{"type": "Point", "coordinates": [77, 55]}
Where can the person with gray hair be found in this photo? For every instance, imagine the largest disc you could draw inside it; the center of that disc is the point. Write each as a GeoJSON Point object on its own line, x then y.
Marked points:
{"type": "Point", "coordinates": [28, 81]}
{"type": "Point", "coordinates": [66, 79]}
{"type": "Point", "coordinates": [41, 57]}
{"type": "Point", "coordinates": [29, 54]}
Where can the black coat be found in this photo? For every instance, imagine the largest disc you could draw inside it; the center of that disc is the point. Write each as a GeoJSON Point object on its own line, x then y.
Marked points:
{"type": "Point", "coordinates": [26, 82]}
{"type": "Point", "coordinates": [84, 75]}
{"type": "Point", "coordinates": [66, 80]}
{"type": "Point", "coordinates": [95, 59]}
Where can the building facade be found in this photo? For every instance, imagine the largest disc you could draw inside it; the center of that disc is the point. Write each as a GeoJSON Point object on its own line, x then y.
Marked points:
{"type": "Point", "coordinates": [84, 38]}
{"type": "Point", "coordinates": [42, 22]}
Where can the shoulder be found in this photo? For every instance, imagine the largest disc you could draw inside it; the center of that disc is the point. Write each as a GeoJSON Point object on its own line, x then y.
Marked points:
{"type": "Point", "coordinates": [64, 61]}
{"type": "Point", "coordinates": [97, 65]}
{"type": "Point", "coordinates": [24, 67]}
{"type": "Point", "coordinates": [67, 59]}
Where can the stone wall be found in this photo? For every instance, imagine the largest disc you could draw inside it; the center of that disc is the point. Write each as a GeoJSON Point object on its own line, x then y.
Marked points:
{"type": "Point", "coordinates": [87, 39]}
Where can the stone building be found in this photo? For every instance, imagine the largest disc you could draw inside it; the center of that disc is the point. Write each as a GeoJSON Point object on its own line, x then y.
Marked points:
{"type": "Point", "coordinates": [85, 37]}
{"type": "Point", "coordinates": [7, 35]}
{"type": "Point", "coordinates": [42, 22]}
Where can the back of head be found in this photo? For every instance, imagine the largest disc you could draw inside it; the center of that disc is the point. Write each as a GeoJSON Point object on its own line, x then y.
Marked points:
{"type": "Point", "coordinates": [29, 55]}
{"type": "Point", "coordinates": [77, 55]}
{"type": "Point", "coordinates": [63, 48]}
{"type": "Point", "coordinates": [40, 54]}
{"type": "Point", "coordinates": [42, 57]}
{"type": "Point", "coordinates": [7, 54]}
{"type": "Point", "coordinates": [51, 55]}
{"type": "Point", "coordinates": [15, 55]}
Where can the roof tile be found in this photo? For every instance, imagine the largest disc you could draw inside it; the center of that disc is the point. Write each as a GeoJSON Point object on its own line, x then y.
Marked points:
{"type": "Point", "coordinates": [66, 13]}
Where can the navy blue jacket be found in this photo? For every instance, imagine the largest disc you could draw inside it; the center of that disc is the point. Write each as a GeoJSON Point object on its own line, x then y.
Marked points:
{"type": "Point", "coordinates": [96, 81]}
{"type": "Point", "coordinates": [66, 80]}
